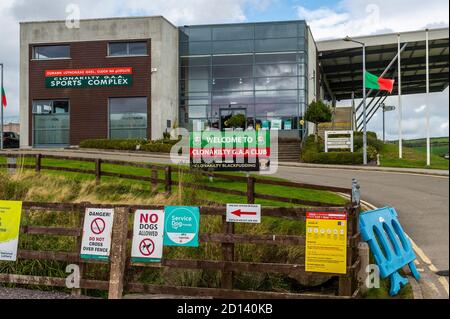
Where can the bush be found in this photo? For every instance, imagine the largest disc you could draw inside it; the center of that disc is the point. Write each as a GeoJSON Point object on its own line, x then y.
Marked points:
{"type": "Point", "coordinates": [314, 153]}
{"type": "Point", "coordinates": [372, 140]}
{"type": "Point", "coordinates": [161, 146]}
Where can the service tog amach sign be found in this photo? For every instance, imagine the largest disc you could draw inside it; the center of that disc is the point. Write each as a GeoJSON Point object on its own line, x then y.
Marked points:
{"type": "Point", "coordinates": [86, 78]}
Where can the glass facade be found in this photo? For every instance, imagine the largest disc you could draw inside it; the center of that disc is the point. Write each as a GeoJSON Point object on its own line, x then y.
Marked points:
{"type": "Point", "coordinates": [259, 70]}
{"type": "Point", "coordinates": [51, 123]}
{"type": "Point", "coordinates": [128, 118]}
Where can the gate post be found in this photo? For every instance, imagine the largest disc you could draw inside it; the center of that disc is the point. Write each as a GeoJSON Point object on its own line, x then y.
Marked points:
{"type": "Point", "coordinates": [346, 282]}
{"type": "Point", "coordinates": [80, 217]}
{"type": "Point", "coordinates": [227, 254]}
{"type": "Point", "coordinates": [168, 180]}
{"type": "Point", "coordinates": [250, 190]}
{"type": "Point", "coordinates": [38, 162]}
{"type": "Point", "coordinates": [98, 170]}
{"type": "Point", "coordinates": [154, 179]}
{"type": "Point", "coordinates": [118, 253]}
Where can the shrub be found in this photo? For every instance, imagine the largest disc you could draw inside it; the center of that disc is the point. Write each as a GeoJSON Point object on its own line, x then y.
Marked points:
{"type": "Point", "coordinates": [372, 140]}
{"type": "Point", "coordinates": [161, 146]}
{"type": "Point", "coordinates": [314, 153]}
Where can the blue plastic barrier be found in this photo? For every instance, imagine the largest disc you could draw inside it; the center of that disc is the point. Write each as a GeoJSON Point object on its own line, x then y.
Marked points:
{"type": "Point", "coordinates": [389, 244]}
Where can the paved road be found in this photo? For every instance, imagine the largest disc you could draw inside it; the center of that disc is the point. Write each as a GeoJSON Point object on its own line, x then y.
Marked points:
{"type": "Point", "coordinates": [422, 201]}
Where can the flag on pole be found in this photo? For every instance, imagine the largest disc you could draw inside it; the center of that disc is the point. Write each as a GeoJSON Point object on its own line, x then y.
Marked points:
{"type": "Point", "coordinates": [376, 83]}
{"type": "Point", "coordinates": [4, 102]}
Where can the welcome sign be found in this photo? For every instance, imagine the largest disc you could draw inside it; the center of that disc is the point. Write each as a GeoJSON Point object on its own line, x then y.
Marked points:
{"type": "Point", "coordinates": [86, 78]}
{"type": "Point", "coordinates": [230, 150]}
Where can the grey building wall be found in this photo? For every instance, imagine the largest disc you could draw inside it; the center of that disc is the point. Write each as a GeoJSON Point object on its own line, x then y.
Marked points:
{"type": "Point", "coordinates": [164, 56]}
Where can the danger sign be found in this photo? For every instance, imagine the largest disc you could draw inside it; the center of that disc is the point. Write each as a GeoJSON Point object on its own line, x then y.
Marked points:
{"type": "Point", "coordinates": [96, 242]}
{"type": "Point", "coordinates": [148, 232]}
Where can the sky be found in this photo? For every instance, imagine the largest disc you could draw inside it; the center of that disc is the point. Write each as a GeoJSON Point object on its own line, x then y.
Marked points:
{"type": "Point", "coordinates": [327, 19]}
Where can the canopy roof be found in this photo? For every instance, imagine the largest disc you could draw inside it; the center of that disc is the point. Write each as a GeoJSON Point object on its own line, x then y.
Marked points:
{"type": "Point", "coordinates": [341, 62]}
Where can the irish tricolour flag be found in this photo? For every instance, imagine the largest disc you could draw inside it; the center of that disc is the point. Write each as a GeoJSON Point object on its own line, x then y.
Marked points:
{"type": "Point", "coordinates": [376, 83]}
{"type": "Point", "coordinates": [4, 102]}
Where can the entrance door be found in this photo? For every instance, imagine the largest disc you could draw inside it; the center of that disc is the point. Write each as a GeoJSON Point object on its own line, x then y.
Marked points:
{"type": "Point", "coordinates": [50, 123]}
{"type": "Point", "coordinates": [226, 114]}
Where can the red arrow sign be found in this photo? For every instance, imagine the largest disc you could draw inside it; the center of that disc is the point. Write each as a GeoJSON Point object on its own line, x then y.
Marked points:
{"type": "Point", "coordinates": [240, 213]}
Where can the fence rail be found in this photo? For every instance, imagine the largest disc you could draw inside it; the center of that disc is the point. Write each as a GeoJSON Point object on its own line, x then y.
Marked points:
{"type": "Point", "coordinates": [122, 269]}
{"type": "Point", "coordinates": [169, 182]}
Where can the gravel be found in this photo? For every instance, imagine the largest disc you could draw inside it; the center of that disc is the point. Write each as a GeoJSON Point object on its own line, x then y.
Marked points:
{"type": "Point", "coordinates": [18, 293]}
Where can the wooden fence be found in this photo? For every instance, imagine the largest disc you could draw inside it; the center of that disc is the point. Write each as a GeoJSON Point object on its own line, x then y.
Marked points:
{"type": "Point", "coordinates": [122, 270]}
{"type": "Point", "coordinates": [168, 181]}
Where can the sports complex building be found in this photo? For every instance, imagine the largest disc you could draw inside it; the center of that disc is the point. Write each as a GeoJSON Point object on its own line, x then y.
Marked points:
{"type": "Point", "coordinates": [139, 77]}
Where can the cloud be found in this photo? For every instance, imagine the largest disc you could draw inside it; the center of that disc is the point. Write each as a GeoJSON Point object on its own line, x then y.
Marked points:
{"type": "Point", "coordinates": [420, 109]}
{"type": "Point", "coordinates": [178, 12]}
{"type": "Point", "coordinates": [364, 17]}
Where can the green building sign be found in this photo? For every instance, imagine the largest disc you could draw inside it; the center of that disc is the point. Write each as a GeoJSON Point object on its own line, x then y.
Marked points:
{"type": "Point", "coordinates": [86, 78]}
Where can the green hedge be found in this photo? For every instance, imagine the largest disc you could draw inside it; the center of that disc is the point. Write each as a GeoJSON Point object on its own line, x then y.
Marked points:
{"type": "Point", "coordinates": [161, 146]}
{"type": "Point", "coordinates": [313, 152]}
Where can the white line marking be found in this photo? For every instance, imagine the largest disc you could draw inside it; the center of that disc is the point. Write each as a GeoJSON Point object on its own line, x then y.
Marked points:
{"type": "Point", "coordinates": [432, 286]}
{"type": "Point", "coordinates": [444, 283]}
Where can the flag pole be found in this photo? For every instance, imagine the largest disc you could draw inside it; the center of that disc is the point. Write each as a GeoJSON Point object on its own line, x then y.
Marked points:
{"type": "Point", "coordinates": [400, 106]}
{"type": "Point", "coordinates": [427, 98]}
{"type": "Point", "coordinates": [1, 107]}
{"type": "Point", "coordinates": [365, 106]}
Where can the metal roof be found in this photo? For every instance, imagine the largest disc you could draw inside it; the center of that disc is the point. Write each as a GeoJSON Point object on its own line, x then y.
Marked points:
{"type": "Point", "coordinates": [341, 62]}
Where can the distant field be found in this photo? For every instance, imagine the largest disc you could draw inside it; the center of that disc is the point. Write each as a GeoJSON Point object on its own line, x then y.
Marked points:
{"type": "Point", "coordinates": [439, 145]}
{"type": "Point", "coordinates": [412, 158]}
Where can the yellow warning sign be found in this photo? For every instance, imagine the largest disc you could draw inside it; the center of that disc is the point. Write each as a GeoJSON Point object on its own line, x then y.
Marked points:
{"type": "Point", "coordinates": [326, 243]}
{"type": "Point", "coordinates": [10, 213]}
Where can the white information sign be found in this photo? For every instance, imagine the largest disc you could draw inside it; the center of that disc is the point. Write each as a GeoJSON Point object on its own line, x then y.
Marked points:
{"type": "Point", "coordinates": [148, 235]}
{"type": "Point", "coordinates": [244, 213]}
{"type": "Point", "coordinates": [97, 231]}
{"type": "Point", "coordinates": [343, 141]}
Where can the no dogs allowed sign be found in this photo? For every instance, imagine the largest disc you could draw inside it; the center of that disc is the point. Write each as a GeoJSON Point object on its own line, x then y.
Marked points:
{"type": "Point", "coordinates": [96, 242]}
{"type": "Point", "coordinates": [148, 234]}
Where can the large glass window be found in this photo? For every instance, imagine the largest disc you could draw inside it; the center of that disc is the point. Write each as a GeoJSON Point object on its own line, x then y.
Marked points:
{"type": "Point", "coordinates": [239, 46]}
{"type": "Point", "coordinates": [235, 84]}
{"type": "Point", "coordinates": [276, 45]}
{"type": "Point", "coordinates": [270, 70]}
{"type": "Point", "coordinates": [128, 118]}
{"type": "Point", "coordinates": [127, 48]}
{"type": "Point", "coordinates": [271, 83]}
{"type": "Point", "coordinates": [199, 34]}
{"type": "Point", "coordinates": [259, 68]}
{"type": "Point", "coordinates": [233, 33]}
{"type": "Point", "coordinates": [48, 52]}
{"type": "Point", "coordinates": [51, 123]}
{"type": "Point", "coordinates": [276, 30]}
{"type": "Point", "coordinates": [240, 71]}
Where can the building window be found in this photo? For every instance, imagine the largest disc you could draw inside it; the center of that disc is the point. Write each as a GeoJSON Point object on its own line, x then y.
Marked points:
{"type": "Point", "coordinates": [48, 52]}
{"type": "Point", "coordinates": [51, 123]}
{"type": "Point", "coordinates": [128, 118]}
{"type": "Point", "coordinates": [127, 48]}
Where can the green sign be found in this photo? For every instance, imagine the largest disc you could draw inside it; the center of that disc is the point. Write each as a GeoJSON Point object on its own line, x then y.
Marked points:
{"type": "Point", "coordinates": [181, 227]}
{"type": "Point", "coordinates": [89, 81]}
{"type": "Point", "coordinates": [229, 150]}
{"type": "Point", "coordinates": [288, 125]}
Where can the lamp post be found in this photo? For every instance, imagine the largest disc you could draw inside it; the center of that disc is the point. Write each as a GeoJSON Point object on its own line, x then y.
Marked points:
{"type": "Point", "coordinates": [348, 39]}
